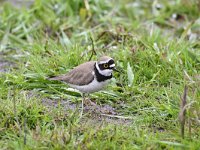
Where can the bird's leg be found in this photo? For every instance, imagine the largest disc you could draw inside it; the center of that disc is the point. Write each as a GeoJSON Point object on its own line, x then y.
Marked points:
{"type": "Point", "coordinates": [82, 106]}
{"type": "Point", "coordinates": [89, 102]}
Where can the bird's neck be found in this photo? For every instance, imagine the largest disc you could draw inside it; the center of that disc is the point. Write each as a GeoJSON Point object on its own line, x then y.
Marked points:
{"type": "Point", "coordinates": [100, 77]}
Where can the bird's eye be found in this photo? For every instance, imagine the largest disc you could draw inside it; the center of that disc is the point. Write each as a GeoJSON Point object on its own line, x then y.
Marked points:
{"type": "Point", "coordinates": [105, 65]}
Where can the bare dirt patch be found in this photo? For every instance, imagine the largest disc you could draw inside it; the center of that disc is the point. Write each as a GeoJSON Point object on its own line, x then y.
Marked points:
{"type": "Point", "coordinates": [5, 66]}
{"type": "Point", "coordinates": [93, 114]}
{"type": "Point", "coordinates": [19, 3]}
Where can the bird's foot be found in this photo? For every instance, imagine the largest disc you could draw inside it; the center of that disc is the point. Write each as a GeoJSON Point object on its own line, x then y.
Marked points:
{"type": "Point", "coordinates": [88, 102]}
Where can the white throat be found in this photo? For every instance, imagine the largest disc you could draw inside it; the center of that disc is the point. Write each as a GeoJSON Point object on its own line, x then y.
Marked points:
{"type": "Point", "coordinates": [106, 72]}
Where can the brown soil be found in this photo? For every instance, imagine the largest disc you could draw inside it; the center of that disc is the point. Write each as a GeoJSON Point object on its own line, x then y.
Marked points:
{"type": "Point", "coordinates": [93, 114]}
{"type": "Point", "coordinates": [5, 66]}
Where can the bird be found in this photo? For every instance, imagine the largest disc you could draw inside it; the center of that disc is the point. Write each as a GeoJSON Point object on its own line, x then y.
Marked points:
{"type": "Point", "coordinates": [89, 77]}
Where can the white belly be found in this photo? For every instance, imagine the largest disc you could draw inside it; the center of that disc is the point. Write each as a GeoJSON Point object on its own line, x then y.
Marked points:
{"type": "Point", "coordinates": [94, 86]}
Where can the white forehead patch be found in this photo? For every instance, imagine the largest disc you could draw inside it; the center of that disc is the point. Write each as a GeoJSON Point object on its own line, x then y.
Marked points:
{"type": "Point", "coordinates": [104, 62]}
{"type": "Point", "coordinates": [113, 65]}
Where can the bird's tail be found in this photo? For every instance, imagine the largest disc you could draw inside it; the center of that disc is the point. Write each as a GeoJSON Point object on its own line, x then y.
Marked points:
{"type": "Point", "coordinates": [56, 78]}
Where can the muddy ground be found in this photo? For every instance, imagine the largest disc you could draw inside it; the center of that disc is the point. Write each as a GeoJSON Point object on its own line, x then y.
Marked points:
{"type": "Point", "coordinates": [93, 113]}
{"type": "Point", "coordinates": [18, 3]}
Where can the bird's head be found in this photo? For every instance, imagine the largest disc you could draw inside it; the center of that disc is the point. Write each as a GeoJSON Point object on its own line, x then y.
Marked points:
{"type": "Point", "coordinates": [105, 65]}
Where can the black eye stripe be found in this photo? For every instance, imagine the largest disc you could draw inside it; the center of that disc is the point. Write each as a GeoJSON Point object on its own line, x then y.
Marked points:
{"type": "Point", "coordinates": [101, 66]}
{"type": "Point", "coordinates": [109, 63]}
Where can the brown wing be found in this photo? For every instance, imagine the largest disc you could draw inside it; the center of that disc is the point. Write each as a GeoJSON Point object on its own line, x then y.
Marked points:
{"type": "Point", "coordinates": [80, 75]}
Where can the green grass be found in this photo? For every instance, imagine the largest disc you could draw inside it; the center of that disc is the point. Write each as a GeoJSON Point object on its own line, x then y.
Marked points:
{"type": "Point", "coordinates": [157, 56]}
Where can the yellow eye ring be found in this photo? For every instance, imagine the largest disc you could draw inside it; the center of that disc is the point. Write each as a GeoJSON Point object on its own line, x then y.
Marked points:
{"type": "Point", "coordinates": [105, 65]}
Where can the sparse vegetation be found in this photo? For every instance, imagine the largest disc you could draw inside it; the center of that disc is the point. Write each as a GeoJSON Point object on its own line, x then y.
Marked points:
{"type": "Point", "coordinates": [156, 47]}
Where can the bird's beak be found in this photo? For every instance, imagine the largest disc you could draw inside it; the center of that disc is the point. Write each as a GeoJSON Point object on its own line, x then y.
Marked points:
{"type": "Point", "coordinates": [115, 70]}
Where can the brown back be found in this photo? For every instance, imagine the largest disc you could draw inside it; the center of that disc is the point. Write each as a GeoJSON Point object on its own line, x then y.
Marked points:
{"type": "Point", "coordinates": [80, 75]}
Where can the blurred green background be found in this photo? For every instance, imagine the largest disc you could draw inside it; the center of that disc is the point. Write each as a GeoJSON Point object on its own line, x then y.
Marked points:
{"type": "Point", "coordinates": [156, 46]}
